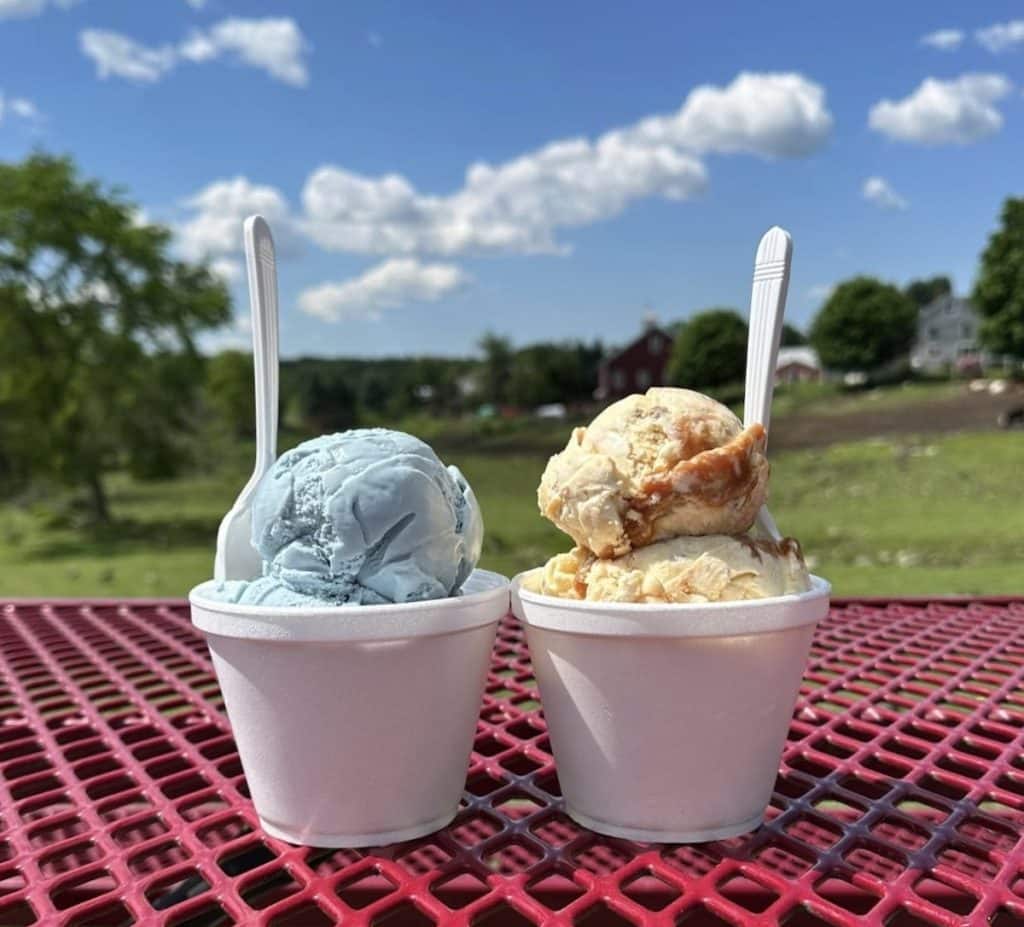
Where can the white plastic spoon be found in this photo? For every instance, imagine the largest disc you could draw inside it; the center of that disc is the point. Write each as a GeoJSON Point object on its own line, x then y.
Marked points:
{"type": "Point", "coordinates": [236, 558]}
{"type": "Point", "coordinates": [767, 306]}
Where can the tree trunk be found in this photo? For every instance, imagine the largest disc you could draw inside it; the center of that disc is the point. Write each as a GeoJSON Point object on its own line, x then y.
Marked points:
{"type": "Point", "coordinates": [98, 496]}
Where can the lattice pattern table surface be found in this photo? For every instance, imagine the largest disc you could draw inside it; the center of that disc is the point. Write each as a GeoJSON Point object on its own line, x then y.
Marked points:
{"type": "Point", "coordinates": [900, 800]}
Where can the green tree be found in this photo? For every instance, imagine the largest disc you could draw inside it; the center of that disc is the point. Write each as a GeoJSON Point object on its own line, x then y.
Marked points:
{"type": "Point", "coordinates": [999, 291]}
{"type": "Point", "coordinates": [923, 292]}
{"type": "Point", "coordinates": [496, 367]}
{"type": "Point", "coordinates": [98, 365]}
{"type": "Point", "coordinates": [864, 324]}
{"type": "Point", "coordinates": [330, 403]}
{"type": "Point", "coordinates": [230, 392]}
{"type": "Point", "coordinates": [792, 337]}
{"type": "Point", "coordinates": [710, 351]}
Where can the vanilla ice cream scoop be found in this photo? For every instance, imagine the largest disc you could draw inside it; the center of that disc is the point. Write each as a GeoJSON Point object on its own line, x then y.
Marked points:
{"type": "Point", "coordinates": [718, 568]}
{"type": "Point", "coordinates": [666, 463]}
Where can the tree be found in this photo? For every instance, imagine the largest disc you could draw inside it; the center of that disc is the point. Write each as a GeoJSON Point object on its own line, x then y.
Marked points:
{"type": "Point", "coordinates": [710, 351]}
{"type": "Point", "coordinates": [98, 364]}
{"type": "Point", "coordinates": [231, 393]}
{"type": "Point", "coordinates": [497, 367]}
{"type": "Point", "coordinates": [864, 324]}
{"type": "Point", "coordinates": [329, 403]}
{"type": "Point", "coordinates": [923, 292]}
{"type": "Point", "coordinates": [999, 292]}
{"type": "Point", "coordinates": [792, 337]}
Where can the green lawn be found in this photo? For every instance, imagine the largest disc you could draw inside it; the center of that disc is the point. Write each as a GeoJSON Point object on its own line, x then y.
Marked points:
{"type": "Point", "coordinates": [929, 516]}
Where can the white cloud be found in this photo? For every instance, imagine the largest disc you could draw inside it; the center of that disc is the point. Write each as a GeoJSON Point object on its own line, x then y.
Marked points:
{"type": "Point", "coordinates": [1001, 36]}
{"type": "Point", "coordinates": [772, 115]}
{"type": "Point", "coordinates": [388, 285]}
{"type": "Point", "coordinates": [274, 45]}
{"type": "Point", "coordinates": [117, 55]}
{"type": "Point", "coordinates": [18, 107]}
{"type": "Point", "coordinates": [23, 9]}
{"type": "Point", "coordinates": [820, 291]}
{"type": "Point", "coordinates": [236, 335]}
{"type": "Point", "coordinates": [219, 209]}
{"type": "Point", "coordinates": [228, 269]}
{"type": "Point", "coordinates": [877, 190]}
{"type": "Point", "coordinates": [520, 205]}
{"type": "Point", "coordinates": [944, 39]}
{"type": "Point", "coordinates": [26, 109]}
{"type": "Point", "coordinates": [196, 4]}
{"type": "Point", "coordinates": [941, 112]}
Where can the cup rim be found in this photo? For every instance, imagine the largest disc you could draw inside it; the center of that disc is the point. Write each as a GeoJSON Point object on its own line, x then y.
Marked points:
{"type": "Point", "coordinates": [683, 619]}
{"type": "Point", "coordinates": [486, 602]}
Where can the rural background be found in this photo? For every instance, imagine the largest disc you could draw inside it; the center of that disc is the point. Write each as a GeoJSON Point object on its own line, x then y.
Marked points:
{"type": "Point", "coordinates": [490, 226]}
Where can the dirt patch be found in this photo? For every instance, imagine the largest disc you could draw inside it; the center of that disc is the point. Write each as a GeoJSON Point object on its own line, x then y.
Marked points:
{"type": "Point", "coordinates": [963, 412]}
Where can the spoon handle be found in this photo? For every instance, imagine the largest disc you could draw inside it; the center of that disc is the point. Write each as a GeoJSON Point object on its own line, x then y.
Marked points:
{"type": "Point", "coordinates": [767, 305]}
{"type": "Point", "coordinates": [262, 269]}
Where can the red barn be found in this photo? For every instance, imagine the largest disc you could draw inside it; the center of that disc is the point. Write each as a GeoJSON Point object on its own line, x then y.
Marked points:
{"type": "Point", "coordinates": [639, 365]}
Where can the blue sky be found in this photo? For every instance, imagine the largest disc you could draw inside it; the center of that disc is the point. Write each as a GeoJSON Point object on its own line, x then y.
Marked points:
{"type": "Point", "coordinates": [686, 130]}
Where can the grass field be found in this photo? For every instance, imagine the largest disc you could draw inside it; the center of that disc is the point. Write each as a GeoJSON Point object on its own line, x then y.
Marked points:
{"type": "Point", "coordinates": [915, 516]}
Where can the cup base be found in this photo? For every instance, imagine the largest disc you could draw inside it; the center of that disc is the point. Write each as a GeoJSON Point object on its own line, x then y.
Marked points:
{"type": "Point", "coordinates": [643, 835]}
{"type": "Point", "coordinates": [308, 838]}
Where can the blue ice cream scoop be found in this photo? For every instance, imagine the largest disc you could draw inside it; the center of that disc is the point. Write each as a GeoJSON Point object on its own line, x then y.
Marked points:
{"type": "Point", "coordinates": [363, 517]}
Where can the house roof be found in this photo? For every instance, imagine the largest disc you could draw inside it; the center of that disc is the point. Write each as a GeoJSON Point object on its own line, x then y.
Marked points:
{"type": "Point", "coordinates": [937, 307]}
{"type": "Point", "coordinates": [646, 333]}
{"type": "Point", "coordinates": [799, 355]}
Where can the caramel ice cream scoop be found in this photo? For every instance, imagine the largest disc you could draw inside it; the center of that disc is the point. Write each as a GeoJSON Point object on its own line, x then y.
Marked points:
{"type": "Point", "coordinates": [719, 568]}
{"type": "Point", "coordinates": [667, 463]}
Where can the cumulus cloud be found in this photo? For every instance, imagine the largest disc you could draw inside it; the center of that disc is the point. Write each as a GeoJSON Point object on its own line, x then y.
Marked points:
{"type": "Point", "coordinates": [117, 55]}
{"type": "Point", "coordinates": [228, 269]}
{"type": "Point", "coordinates": [516, 206]}
{"type": "Point", "coordinates": [944, 39]}
{"type": "Point", "coordinates": [23, 9]}
{"type": "Point", "coordinates": [214, 230]}
{"type": "Point", "coordinates": [274, 45]}
{"type": "Point", "coordinates": [941, 112]}
{"type": "Point", "coordinates": [1002, 36]}
{"type": "Point", "coordinates": [388, 285]}
{"type": "Point", "coordinates": [877, 190]}
{"type": "Point", "coordinates": [520, 204]}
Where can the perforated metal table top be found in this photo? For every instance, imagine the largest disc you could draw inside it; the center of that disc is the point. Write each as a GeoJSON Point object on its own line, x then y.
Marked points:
{"type": "Point", "coordinates": [900, 800]}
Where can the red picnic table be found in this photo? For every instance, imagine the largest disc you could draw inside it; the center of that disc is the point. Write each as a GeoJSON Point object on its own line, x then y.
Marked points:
{"type": "Point", "coordinates": [900, 800]}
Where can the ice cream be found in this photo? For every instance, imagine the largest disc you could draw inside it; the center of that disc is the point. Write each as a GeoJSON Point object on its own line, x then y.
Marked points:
{"type": "Point", "coordinates": [368, 516]}
{"type": "Point", "coordinates": [716, 568]}
{"type": "Point", "coordinates": [659, 493]}
{"type": "Point", "coordinates": [667, 463]}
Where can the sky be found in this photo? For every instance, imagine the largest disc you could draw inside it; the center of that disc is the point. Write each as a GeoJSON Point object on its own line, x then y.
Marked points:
{"type": "Point", "coordinates": [546, 171]}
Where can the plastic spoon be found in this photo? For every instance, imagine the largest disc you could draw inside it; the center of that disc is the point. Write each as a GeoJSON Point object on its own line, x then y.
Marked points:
{"type": "Point", "coordinates": [236, 558]}
{"type": "Point", "coordinates": [767, 306]}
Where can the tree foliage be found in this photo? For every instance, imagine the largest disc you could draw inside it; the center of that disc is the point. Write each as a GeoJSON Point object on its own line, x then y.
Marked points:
{"type": "Point", "coordinates": [497, 367]}
{"type": "Point", "coordinates": [863, 325]}
{"type": "Point", "coordinates": [999, 291]}
{"type": "Point", "coordinates": [710, 351]}
{"type": "Point", "coordinates": [230, 392]}
{"type": "Point", "coordinates": [923, 292]}
{"type": "Point", "coordinates": [98, 365]}
{"type": "Point", "coordinates": [548, 372]}
{"type": "Point", "coordinates": [792, 337]}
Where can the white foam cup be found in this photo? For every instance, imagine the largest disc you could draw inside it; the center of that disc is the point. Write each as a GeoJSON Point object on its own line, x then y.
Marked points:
{"type": "Point", "coordinates": [354, 724]}
{"type": "Point", "coordinates": [667, 722]}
